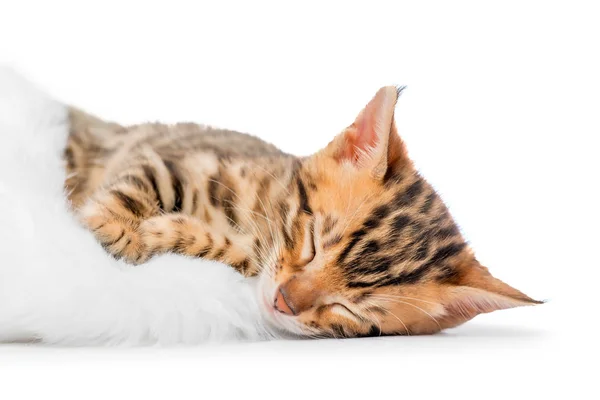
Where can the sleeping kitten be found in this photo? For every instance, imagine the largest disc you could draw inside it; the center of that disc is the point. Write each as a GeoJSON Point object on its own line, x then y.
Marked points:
{"type": "Point", "coordinates": [350, 241]}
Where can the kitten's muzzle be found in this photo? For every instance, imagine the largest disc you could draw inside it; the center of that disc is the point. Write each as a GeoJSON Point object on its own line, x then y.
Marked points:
{"type": "Point", "coordinates": [297, 295]}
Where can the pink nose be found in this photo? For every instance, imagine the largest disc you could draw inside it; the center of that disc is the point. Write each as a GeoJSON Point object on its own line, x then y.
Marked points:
{"type": "Point", "coordinates": [281, 304]}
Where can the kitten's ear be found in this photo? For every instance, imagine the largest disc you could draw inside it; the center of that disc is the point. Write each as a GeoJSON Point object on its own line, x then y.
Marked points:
{"type": "Point", "coordinates": [372, 140]}
{"type": "Point", "coordinates": [478, 292]}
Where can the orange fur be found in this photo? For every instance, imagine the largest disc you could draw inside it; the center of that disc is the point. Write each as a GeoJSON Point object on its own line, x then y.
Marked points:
{"type": "Point", "coordinates": [350, 241]}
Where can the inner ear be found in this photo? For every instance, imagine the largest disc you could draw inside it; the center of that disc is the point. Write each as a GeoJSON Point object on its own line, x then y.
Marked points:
{"type": "Point", "coordinates": [370, 131]}
{"type": "Point", "coordinates": [371, 142]}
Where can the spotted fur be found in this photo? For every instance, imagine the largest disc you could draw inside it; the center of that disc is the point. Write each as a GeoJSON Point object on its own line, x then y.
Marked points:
{"type": "Point", "coordinates": [351, 241]}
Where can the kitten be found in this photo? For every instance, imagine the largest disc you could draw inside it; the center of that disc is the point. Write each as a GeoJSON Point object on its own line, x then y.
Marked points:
{"type": "Point", "coordinates": [350, 241]}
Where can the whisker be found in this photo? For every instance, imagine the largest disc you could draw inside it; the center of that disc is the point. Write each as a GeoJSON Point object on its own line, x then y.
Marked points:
{"type": "Point", "coordinates": [253, 224]}
{"type": "Point", "coordinates": [387, 310]}
{"type": "Point", "coordinates": [374, 318]}
{"type": "Point", "coordinates": [393, 296]}
{"type": "Point", "coordinates": [272, 176]}
{"type": "Point", "coordinates": [351, 219]}
{"type": "Point", "coordinates": [418, 308]}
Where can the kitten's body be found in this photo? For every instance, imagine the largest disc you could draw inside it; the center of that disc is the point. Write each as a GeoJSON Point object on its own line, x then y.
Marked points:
{"type": "Point", "coordinates": [226, 182]}
{"type": "Point", "coordinates": [350, 241]}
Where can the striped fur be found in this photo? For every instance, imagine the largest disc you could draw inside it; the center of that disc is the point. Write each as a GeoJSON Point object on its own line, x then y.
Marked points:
{"type": "Point", "coordinates": [356, 241]}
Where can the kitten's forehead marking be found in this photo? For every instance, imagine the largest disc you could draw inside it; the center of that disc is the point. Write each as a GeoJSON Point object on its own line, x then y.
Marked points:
{"type": "Point", "coordinates": [398, 242]}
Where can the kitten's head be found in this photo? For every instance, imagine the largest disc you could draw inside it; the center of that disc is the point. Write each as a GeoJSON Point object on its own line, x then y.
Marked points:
{"type": "Point", "coordinates": [369, 248]}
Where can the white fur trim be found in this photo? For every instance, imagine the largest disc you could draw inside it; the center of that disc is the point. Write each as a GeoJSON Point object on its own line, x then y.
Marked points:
{"type": "Point", "coordinates": [58, 286]}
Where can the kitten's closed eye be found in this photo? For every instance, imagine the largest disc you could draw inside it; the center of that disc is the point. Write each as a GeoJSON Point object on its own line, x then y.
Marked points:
{"type": "Point", "coordinates": [342, 310]}
{"type": "Point", "coordinates": [309, 250]}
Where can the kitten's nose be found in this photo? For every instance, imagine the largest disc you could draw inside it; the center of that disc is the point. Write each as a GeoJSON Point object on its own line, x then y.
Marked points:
{"type": "Point", "coordinates": [281, 303]}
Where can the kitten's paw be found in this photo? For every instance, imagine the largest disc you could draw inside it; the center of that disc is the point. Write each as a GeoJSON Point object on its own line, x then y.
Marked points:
{"type": "Point", "coordinates": [157, 233]}
{"type": "Point", "coordinates": [123, 241]}
{"type": "Point", "coordinates": [121, 238]}
{"type": "Point", "coordinates": [175, 233]}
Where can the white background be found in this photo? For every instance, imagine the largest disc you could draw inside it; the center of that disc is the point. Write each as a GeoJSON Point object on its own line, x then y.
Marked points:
{"type": "Point", "coordinates": [501, 114]}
